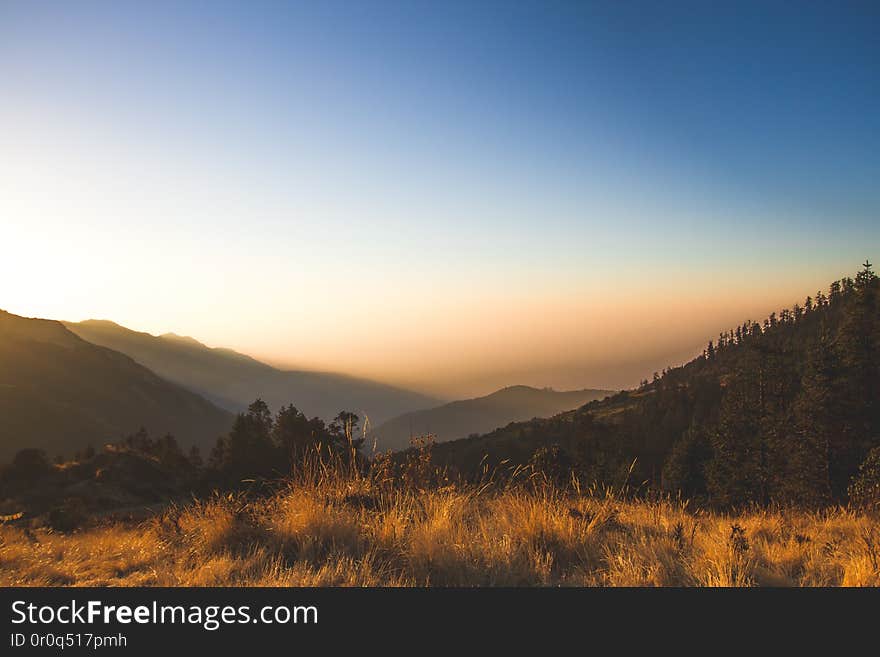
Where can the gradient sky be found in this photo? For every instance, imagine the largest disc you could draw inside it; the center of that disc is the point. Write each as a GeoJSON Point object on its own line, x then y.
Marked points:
{"type": "Point", "coordinates": [452, 196]}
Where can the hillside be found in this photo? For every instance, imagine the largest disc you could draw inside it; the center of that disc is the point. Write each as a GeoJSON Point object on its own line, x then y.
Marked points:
{"type": "Point", "coordinates": [233, 380]}
{"type": "Point", "coordinates": [344, 529]}
{"type": "Point", "coordinates": [483, 414]}
{"type": "Point", "coordinates": [61, 393]}
{"type": "Point", "coordinates": [785, 410]}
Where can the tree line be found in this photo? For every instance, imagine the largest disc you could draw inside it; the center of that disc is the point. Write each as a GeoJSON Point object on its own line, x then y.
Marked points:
{"type": "Point", "coordinates": [259, 445]}
{"type": "Point", "coordinates": [798, 402]}
{"type": "Point", "coordinates": [262, 445]}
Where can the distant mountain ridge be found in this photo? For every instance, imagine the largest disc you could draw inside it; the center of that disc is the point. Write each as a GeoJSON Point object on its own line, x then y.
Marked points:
{"type": "Point", "coordinates": [232, 380]}
{"type": "Point", "coordinates": [459, 419]}
{"type": "Point", "coordinates": [61, 393]}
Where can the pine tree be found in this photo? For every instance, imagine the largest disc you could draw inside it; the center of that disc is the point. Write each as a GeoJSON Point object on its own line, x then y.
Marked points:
{"type": "Point", "coordinates": [816, 446]}
{"type": "Point", "coordinates": [858, 345]}
{"type": "Point", "coordinates": [295, 434]}
{"type": "Point", "coordinates": [195, 456]}
{"type": "Point", "coordinates": [737, 471]}
{"type": "Point", "coordinates": [249, 448]}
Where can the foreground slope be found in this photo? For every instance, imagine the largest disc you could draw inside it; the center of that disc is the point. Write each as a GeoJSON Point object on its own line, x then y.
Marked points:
{"type": "Point", "coordinates": [233, 380]}
{"type": "Point", "coordinates": [342, 531]}
{"type": "Point", "coordinates": [61, 393]}
{"type": "Point", "coordinates": [475, 416]}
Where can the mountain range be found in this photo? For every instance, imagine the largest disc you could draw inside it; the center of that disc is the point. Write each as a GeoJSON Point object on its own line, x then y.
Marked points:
{"type": "Point", "coordinates": [233, 380]}
{"type": "Point", "coordinates": [67, 385]}
{"type": "Point", "coordinates": [459, 419]}
{"type": "Point", "coordinates": [61, 393]}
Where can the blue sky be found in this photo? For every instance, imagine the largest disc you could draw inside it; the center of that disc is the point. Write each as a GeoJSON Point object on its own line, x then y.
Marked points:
{"type": "Point", "coordinates": [437, 171]}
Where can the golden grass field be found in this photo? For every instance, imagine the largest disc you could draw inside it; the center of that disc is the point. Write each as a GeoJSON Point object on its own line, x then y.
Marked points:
{"type": "Point", "coordinates": [337, 529]}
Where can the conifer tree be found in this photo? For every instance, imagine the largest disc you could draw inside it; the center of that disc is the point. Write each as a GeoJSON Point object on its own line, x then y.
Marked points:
{"type": "Point", "coordinates": [249, 448]}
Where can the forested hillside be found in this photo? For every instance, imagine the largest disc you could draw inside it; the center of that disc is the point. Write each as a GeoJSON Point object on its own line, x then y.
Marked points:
{"type": "Point", "coordinates": [785, 410]}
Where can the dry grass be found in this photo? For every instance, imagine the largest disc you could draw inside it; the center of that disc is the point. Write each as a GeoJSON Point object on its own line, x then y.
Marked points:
{"type": "Point", "coordinates": [350, 530]}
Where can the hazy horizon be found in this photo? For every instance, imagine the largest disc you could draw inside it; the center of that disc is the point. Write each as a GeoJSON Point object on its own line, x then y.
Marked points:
{"type": "Point", "coordinates": [451, 198]}
{"type": "Point", "coordinates": [622, 369]}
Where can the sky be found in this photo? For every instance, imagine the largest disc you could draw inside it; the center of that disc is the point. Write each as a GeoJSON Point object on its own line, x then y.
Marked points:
{"type": "Point", "coordinates": [450, 196]}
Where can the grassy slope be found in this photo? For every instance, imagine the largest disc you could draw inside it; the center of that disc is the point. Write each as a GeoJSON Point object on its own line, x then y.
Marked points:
{"type": "Point", "coordinates": [343, 530]}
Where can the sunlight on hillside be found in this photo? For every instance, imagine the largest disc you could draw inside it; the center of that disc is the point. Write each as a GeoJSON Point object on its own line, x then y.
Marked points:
{"type": "Point", "coordinates": [333, 528]}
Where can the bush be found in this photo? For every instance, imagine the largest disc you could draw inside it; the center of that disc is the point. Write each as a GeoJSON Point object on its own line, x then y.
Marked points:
{"type": "Point", "coordinates": [864, 492]}
{"type": "Point", "coordinates": [551, 465]}
{"type": "Point", "coordinates": [69, 516]}
{"type": "Point", "coordinates": [30, 463]}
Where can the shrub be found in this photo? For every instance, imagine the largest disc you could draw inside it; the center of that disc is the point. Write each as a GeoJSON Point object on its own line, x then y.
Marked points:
{"type": "Point", "coordinates": [70, 515]}
{"type": "Point", "coordinates": [31, 462]}
{"type": "Point", "coordinates": [551, 465]}
{"type": "Point", "coordinates": [27, 466]}
{"type": "Point", "coordinates": [864, 492]}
